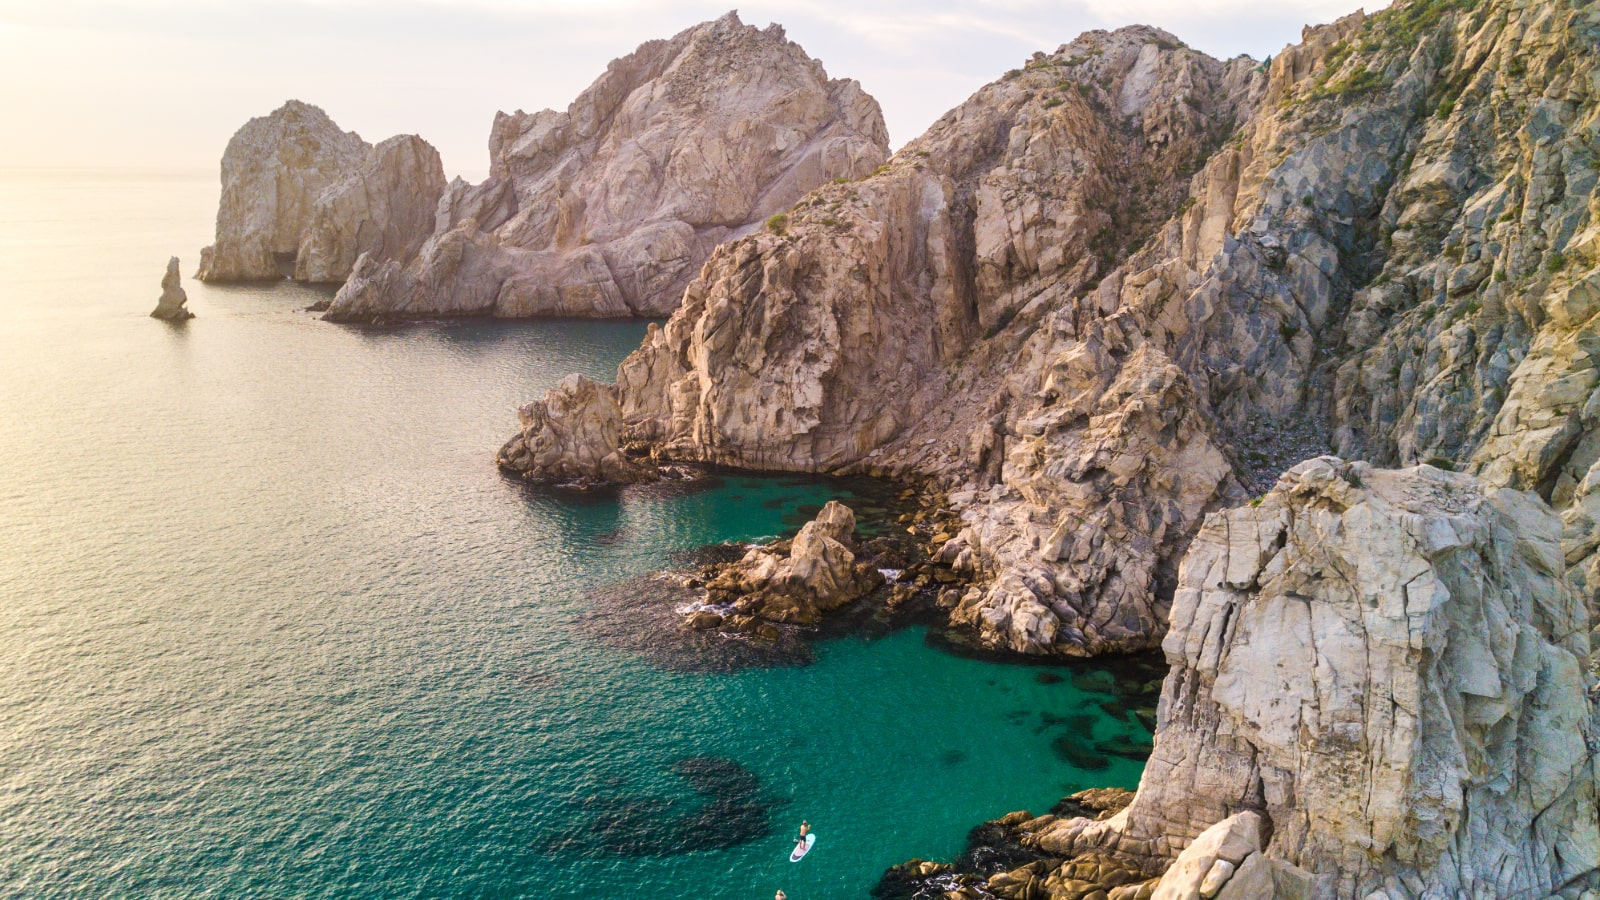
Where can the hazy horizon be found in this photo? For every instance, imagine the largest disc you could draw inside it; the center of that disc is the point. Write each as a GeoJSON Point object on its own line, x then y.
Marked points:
{"type": "Point", "coordinates": [161, 85]}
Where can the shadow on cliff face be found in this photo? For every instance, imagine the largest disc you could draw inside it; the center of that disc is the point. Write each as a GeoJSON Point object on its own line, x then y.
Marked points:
{"type": "Point", "coordinates": [732, 810]}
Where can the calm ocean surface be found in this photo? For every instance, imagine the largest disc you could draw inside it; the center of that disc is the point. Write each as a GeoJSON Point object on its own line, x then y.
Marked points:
{"type": "Point", "coordinates": [271, 623]}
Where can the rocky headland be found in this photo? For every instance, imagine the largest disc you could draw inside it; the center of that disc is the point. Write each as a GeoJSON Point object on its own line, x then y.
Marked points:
{"type": "Point", "coordinates": [1098, 307]}
{"type": "Point", "coordinates": [607, 209]}
{"type": "Point", "coordinates": [1115, 289]}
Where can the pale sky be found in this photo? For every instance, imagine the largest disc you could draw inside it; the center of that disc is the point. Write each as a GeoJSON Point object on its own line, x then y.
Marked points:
{"type": "Point", "coordinates": [165, 83]}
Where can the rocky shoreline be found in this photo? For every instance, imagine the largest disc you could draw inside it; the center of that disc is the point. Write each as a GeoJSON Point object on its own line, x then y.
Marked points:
{"type": "Point", "coordinates": [1338, 715]}
{"type": "Point", "coordinates": [1108, 315]}
{"type": "Point", "coordinates": [1382, 681]}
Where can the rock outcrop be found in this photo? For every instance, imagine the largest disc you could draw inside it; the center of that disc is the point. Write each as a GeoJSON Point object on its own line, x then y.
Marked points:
{"type": "Point", "coordinates": [173, 297]}
{"type": "Point", "coordinates": [878, 324]}
{"type": "Point", "coordinates": [611, 207]}
{"type": "Point", "coordinates": [1377, 690]}
{"type": "Point", "coordinates": [384, 209]}
{"type": "Point", "coordinates": [1123, 286]}
{"type": "Point", "coordinates": [571, 437]}
{"type": "Point", "coordinates": [273, 172]}
{"type": "Point", "coordinates": [791, 582]}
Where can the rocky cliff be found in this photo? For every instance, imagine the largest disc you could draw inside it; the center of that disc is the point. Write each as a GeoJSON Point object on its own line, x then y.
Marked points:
{"type": "Point", "coordinates": [611, 207]}
{"type": "Point", "coordinates": [384, 209]}
{"type": "Point", "coordinates": [1377, 690]}
{"type": "Point", "coordinates": [273, 172]}
{"type": "Point", "coordinates": [1123, 286]}
{"type": "Point", "coordinates": [302, 198]}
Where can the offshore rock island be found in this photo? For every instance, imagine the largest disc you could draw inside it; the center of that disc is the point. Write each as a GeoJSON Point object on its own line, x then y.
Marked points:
{"type": "Point", "coordinates": [605, 210]}
{"type": "Point", "coordinates": [1098, 310]}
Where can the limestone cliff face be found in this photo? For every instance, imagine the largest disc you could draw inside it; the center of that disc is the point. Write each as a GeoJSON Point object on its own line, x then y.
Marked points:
{"type": "Point", "coordinates": [273, 171]}
{"type": "Point", "coordinates": [1123, 286]}
{"type": "Point", "coordinates": [611, 207]}
{"type": "Point", "coordinates": [384, 209]}
{"type": "Point", "coordinates": [1384, 670]}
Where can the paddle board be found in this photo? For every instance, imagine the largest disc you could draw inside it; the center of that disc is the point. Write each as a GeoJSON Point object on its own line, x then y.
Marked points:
{"type": "Point", "coordinates": [802, 848]}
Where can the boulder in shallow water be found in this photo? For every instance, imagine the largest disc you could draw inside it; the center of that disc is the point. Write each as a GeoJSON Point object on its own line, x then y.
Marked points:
{"type": "Point", "coordinates": [171, 305]}
{"type": "Point", "coordinates": [818, 573]}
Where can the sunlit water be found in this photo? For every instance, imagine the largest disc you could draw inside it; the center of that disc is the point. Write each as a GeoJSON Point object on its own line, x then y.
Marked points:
{"type": "Point", "coordinates": [271, 624]}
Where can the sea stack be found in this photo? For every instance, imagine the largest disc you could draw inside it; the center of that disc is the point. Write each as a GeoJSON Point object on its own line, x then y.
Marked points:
{"type": "Point", "coordinates": [171, 305]}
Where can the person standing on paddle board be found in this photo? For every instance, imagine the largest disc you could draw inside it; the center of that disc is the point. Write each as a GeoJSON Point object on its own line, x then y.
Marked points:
{"type": "Point", "coordinates": [805, 828]}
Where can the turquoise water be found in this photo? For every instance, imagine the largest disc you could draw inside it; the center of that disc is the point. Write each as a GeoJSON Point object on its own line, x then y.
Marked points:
{"type": "Point", "coordinates": [271, 624]}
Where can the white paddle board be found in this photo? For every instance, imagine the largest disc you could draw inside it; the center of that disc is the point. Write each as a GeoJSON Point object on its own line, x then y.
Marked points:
{"type": "Point", "coordinates": [802, 848]}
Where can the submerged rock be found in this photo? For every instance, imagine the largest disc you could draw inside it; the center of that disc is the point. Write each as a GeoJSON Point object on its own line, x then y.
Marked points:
{"type": "Point", "coordinates": [611, 207]}
{"type": "Point", "coordinates": [273, 172]}
{"type": "Point", "coordinates": [1377, 685]}
{"type": "Point", "coordinates": [173, 297]}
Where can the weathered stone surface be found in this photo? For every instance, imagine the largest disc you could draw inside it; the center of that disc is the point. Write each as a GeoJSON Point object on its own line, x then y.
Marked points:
{"type": "Point", "coordinates": [611, 207]}
{"type": "Point", "coordinates": [885, 320]}
{"type": "Point", "coordinates": [1388, 666]}
{"type": "Point", "coordinates": [173, 297]}
{"type": "Point", "coordinates": [1210, 861]}
{"type": "Point", "coordinates": [570, 437]}
{"type": "Point", "coordinates": [796, 582]}
{"type": "Point", "coordinates": [384, 209]}
{"type": "Point", "coordinates": [273, 172]}
{"type": "Point", "coordinates": [1383, 242]}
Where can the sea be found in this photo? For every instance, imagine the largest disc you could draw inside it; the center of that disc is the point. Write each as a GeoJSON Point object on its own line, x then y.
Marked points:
{"type": "Point", "coordinates": [273, 625]}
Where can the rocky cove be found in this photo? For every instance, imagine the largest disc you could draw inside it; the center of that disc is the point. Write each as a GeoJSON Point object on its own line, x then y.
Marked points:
{"type": "Point", "coordinates": [1090, 317]}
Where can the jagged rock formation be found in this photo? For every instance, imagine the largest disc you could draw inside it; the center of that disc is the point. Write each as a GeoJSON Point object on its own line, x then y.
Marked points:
{"type": "Point", "coordinates": [571, 437]}
{"type": "Point", "coordinates": [273, 172]}
{"type": "Point", "coordinates": [1386, 245]}
{"type": "Point", "coordinates": [792, 582]}
{"type": "Point", "coordinates": [384, 209]}
{"type": "Point", "coordinates": [173, 297]}
{"type": "Point", "coordinates": [1377, 691]}
{"type": "Point", "coordinates": [609, 208]}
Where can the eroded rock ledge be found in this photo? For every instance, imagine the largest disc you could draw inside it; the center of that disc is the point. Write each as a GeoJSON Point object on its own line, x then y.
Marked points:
{"type": "Point", "coordinates": [1377, 690]}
